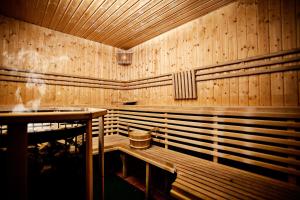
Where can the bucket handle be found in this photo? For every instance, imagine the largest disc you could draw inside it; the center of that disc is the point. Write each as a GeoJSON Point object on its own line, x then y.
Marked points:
{"type": "Point", "coordinates": [154, 130]}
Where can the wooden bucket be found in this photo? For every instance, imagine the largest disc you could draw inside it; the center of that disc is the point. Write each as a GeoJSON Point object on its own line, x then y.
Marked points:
{"type": "Point", "coordinates": [139, 139]}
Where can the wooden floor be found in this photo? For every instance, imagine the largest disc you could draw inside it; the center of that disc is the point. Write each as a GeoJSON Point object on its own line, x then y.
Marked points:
{"type": "Point", "coordinates": [199, 178]}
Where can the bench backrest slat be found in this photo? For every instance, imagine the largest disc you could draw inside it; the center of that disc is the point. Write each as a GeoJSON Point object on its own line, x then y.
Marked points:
{"type": "Point", "coordinates": [267, 137]}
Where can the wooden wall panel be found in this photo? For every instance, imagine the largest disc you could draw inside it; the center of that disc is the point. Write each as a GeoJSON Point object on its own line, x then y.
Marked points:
{"type": "Point", "coordinates": [30, 47]}
{"type": "Point", "coordinates": [242, 29]}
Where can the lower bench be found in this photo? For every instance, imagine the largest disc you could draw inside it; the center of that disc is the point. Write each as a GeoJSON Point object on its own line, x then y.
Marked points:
{"type": "Point", "coordinates": [201, 179]}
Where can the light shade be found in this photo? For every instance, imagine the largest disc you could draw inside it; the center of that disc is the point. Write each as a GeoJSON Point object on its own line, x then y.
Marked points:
{"type": "Point", "coordinates": [124, 57]}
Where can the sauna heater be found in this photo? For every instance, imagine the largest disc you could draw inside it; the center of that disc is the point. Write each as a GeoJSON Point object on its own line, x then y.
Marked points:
{"type": "Point", "coordinates": [20, 129]}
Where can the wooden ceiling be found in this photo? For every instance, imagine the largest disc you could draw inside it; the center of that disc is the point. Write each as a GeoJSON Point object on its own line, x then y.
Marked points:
{"type": "Point", "coordinates": [119, 23]}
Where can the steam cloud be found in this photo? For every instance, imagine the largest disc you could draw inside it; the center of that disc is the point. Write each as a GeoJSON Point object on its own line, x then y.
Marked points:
{"type": "Point", "coordinates": [38, 63]}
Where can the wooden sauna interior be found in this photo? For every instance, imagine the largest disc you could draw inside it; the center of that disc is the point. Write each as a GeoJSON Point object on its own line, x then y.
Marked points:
{"type": "Point", "coordinates": [215, 82]}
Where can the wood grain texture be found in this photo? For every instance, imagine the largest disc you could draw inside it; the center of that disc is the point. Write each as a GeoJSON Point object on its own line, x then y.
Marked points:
{"type": "Point", "coordinates": [241, 29]}
{"type": "Point", "coordinates": [184, 85]}
{"type": "Point", "coordinates": [221, 131]}
{"type": "Point", "coordinates": [32, 48]}
{"type": "Point", "coordinates": [210, 45]}
{"type": "Point", "coordinates": [120, 23]}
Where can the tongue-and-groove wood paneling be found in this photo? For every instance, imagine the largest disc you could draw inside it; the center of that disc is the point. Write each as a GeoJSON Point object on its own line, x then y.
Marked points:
{"type": "Point", "coordinates": [29, 47]}
{"type": "Point", "coordinates": [119, 23]}
{"type": "Point", "coordinates": [242, 29]}
{"type": "Point", "coordinates": [239, 30]}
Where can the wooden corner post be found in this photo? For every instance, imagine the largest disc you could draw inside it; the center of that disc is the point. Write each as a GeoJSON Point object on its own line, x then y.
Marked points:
{"type": "Point", "coordinates": [148, 181]}
{"type": "Point", "coordinates": [89, 161]}
{"type": "Point", "coordinates": [101, 156]}
{"type": "Point", "coordinates": [17, 161]}
{"type": "Point", "coordinates": [124, 164]}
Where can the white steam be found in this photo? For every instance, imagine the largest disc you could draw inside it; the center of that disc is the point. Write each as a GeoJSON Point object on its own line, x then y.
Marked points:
{"type": "Point", "coordinates": [19, 108]}
{"type": "Point", "coordinates": [37, 63]}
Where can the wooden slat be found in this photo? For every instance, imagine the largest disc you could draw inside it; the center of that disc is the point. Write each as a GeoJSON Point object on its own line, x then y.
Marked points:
{"type": "Point", "coordinates": [236, 158]}
{"type": "Point", "coordinates": [112, 22]}
{"type": "Point", "coordinates": [205, 131]}
{"type": "Point", "coordinates": [84, 18]}
{"type": "Point", "coordinates": [103, 28]}
{"type": "Point", "coordinates": [190, 13]}
{"type": "Point", "coordinates": [241, 112]}
{"type": "Point", "coordinates": [111, 10]}
{"type": "Point", "coordinates": [186, 86]}
{"type": "Point", "coordinates": [182, 85]}
{"type": "Point", "coordinates": [222, 147]}
{"type": "Point", "coordinates": [218, 119]}
{"type": "Point", "coordinates": [190, 82]}
{"type": "Point", "coordinates": [76, 15]}
{"type": "Point", "coordinates": [155, 17]}
{"type": "Point", "coordinates": [58, 13]}
{"type": "Point", "coordinates": [224, 172]}
{"type": "Point", "coordinates": [254, 130]}
{"type": "Point", "coordinates": [250, 143]}
{"type": "Point", "coordinates": [237, 180]}
{"type": "Point", "coordinates": [174, 86]}
{"type": "Point", "coordinates": [138, 11]}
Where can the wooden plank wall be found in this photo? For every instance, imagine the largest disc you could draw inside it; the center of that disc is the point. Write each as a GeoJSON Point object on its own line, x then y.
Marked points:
{"type": "Point", "coordinates": [242, 29]}
{"type": "Point", "coordinates": [24, 46]}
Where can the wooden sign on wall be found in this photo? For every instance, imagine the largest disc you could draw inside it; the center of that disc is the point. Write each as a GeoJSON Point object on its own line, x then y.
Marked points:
{"type": "Point", "coordinates": [184, 85]}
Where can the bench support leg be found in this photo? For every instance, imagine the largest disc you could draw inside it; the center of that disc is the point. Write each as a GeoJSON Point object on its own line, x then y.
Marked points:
{"type": "Point", "coordinates": [101, 156]}
{"type": "Point", "coordinates": [166, 183]}
{"type": "Point", "coordinates": [89, 161]}
{"type": "Point", "coordinates": [124, 165]}
{"type": "Point", "coordinates": [17, 161]}
{"type": "Point", "coordinates": [148, 181]}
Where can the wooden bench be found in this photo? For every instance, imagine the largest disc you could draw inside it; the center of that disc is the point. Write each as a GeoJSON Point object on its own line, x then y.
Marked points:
{"type": "Point", "coordinates": [221, 153]}
{"type": "Point", "coordinates": [121, 143]}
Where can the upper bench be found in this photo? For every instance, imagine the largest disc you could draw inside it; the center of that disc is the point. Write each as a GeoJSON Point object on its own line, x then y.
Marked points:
{"type": "Point", "coordinates": [261, 141]}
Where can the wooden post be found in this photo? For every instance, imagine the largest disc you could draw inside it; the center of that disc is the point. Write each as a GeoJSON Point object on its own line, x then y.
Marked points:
{"type": "Point", "coordinates": [118, 125]}
{"type": "Point", "coordinates": [17, 161]}
{"type": "Point", "coordinates": [166, 134]}
{"type": "Point", "coordinates": [101, 155]}
{"type": "Point", "coordinates": [148, 181]}
{"type": "Point", "coordinates": [89, 161]}
{"type": "Point", "coordinates": [111, 123]}
{"type": "Point", "coordinates": [124, 165]}
{"type": "Point", "coordinates": [215, 142]}
{"type": "Point", "coordinates": [292, 179]}
{"type": "Point", "coordinates": [166, 183]}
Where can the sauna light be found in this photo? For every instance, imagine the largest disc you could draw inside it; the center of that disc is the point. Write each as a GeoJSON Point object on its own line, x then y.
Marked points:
{"type": "Point", "coordinates": [124, 57]}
